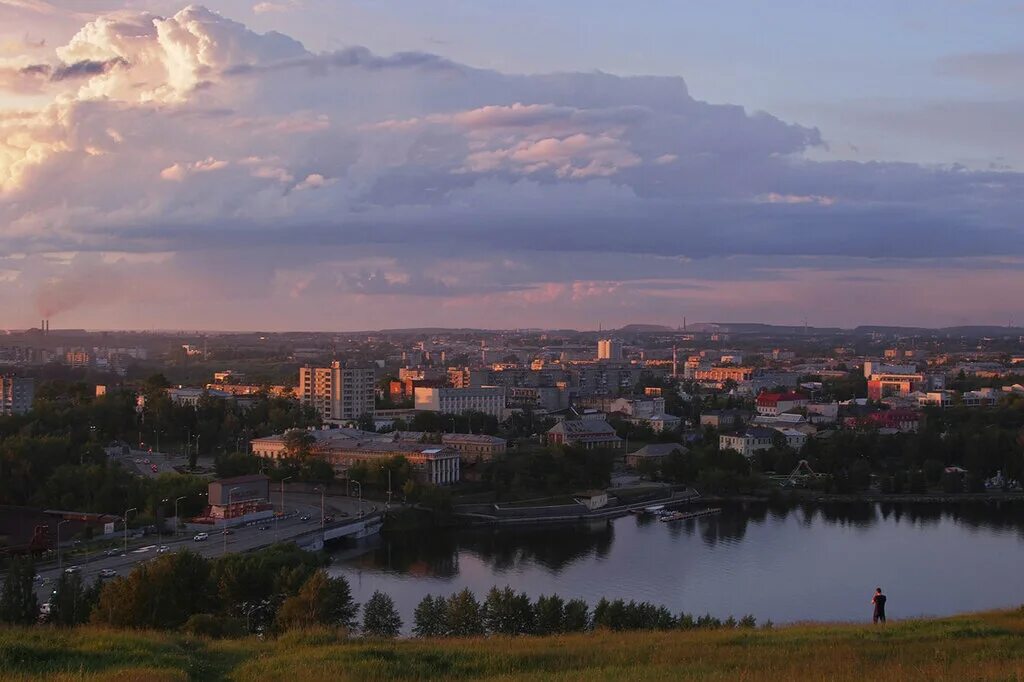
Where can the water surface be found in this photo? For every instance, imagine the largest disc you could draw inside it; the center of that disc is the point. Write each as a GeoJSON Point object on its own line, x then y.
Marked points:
{"type": "Point", "coordinates": [784, 563]}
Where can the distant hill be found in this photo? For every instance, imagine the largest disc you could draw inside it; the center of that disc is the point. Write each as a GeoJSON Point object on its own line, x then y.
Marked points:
{"type": "Point", "coordinates": [645, 328]}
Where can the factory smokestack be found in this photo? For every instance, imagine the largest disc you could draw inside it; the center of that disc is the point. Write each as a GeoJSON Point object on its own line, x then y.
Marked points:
{"type": "Point", "coordinates": [47, 327]}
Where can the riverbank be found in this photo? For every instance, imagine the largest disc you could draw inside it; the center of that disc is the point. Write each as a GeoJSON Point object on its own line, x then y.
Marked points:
{"type": "Point", "coordinates": [870, 497]}
{"type": "Point", "coordinates": [980, 646]}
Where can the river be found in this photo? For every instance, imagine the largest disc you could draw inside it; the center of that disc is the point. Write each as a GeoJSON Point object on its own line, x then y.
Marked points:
{"type": "Point", "coordinates": [779, 562]}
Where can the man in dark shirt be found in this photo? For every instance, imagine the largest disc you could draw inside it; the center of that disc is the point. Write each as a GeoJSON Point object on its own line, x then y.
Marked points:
{"type": "Point", "coordinates": [879, 603]}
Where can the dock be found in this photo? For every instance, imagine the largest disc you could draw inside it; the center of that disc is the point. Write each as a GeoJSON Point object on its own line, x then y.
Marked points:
{"type": "Point", "coordinates": [685, 515]}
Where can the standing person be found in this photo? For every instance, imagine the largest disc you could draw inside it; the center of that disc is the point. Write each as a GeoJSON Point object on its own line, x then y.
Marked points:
{"type": "Point", "coordinates": [878, 601]}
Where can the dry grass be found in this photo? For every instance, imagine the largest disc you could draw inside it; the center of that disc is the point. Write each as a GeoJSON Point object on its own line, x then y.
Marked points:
{"type": "Point", "coordinates": [972, 647]}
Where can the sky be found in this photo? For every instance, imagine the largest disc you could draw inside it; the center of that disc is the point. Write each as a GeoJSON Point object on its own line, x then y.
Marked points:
{"type": "Point", "coordinates": [356, 164]}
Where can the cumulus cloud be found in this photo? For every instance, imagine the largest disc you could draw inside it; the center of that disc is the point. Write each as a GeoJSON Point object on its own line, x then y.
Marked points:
{"type": "Point", "coordinates": [298, 172]}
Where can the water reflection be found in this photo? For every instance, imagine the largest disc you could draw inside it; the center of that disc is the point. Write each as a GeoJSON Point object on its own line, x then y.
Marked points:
{"type": "Point", "coordinates": [503, 549]}
{"type": "Point", "coordinates": [553, 547]}
{"type": "Point", "coordinates": [774, 560]}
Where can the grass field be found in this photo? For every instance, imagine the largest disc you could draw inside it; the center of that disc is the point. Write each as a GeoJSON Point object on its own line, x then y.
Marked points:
{"type": "Point", "coordinates": [971, 647]}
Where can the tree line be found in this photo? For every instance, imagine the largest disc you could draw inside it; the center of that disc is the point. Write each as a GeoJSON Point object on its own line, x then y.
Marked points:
{"type": "Point", "coordinates": [507, 612]}
{"type": "Point", "coordinates": [283, 588]}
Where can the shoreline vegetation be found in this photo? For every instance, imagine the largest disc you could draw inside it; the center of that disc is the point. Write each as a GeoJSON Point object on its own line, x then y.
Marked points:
{"type": "Point", "coordinates": [973, 646]}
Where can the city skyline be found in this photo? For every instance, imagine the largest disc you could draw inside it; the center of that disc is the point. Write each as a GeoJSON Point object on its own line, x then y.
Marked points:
{"type": "Point", "coordinates": [309, 165]}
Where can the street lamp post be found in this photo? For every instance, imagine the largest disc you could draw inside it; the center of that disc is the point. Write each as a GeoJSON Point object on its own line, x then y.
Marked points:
{"type": "Point", "coordinates": [322, 509]}
{"type": "Point", "coordinates": [286, 478]}
{"type": "Point", "coordinates": [159, 525]}
{"type": "Point", "coordinates": [226, 513]}
{"type": "Point", "coordinates": [130, 509]}
{"type": "Point", "coordinates": [59, 524]}
{"type": "Point", "coordinates": [359, 489]}
{"type": "Point", "coordinates": [176, 501]}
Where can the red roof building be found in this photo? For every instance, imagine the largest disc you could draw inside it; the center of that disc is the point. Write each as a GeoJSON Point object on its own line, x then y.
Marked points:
{"type": "Point", "coordinates": [774, 404]}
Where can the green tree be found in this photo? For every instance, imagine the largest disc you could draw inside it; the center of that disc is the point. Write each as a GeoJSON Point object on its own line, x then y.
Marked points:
{"type": "Point", "coordinates": [464, 615]}
{"type": "Point", "coordinates": [322, 600]}
{"type": "Point", "coordinates": [549, 615]}
{"type": "Point", "coordinates": [298, 443]}
{"type": "Point", "coordinates": [72, 601]}
{"type": "Point", "coordinates": [507, 613]}
{"type": "Point", "coordinates": [430, 619]}
{"type": "Point", "coordinates": [380, 617]}
{"type": "Point", "coordinates": [159, 594]}
{"type": "Point", "coordinates": [18, 603]}
{"type": "Point", "coordinates": [577, 616]}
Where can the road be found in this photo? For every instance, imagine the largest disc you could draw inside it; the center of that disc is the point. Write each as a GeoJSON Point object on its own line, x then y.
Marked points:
{"type": "Point", "coordinates": [242, 539]}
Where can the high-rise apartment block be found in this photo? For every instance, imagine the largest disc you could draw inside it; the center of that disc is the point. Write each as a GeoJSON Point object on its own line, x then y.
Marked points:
{"type": "Point", "coordinates": [339, 392]}
{"type": "Point", "coordinates": [16, 395]}
{"type": "Point", "coordinates": [609, 349]}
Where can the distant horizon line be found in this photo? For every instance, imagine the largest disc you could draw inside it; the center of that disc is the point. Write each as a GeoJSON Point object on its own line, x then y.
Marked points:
{"type": "Point", "coordinates": [694, 328]}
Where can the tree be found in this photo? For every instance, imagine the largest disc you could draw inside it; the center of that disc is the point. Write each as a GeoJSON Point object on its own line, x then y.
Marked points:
{"type": "Point", "coordinates": [322, 600]}
{"type": "Point", "coordinates": [366, 422]}
{"type": "Point", "coordinates": [298, 442]}
{"type": "Point", "coordinates": [430, 619]}
{"type": "Point", "coordinates": [507, 613]}
{"type": "Point", "coordinates": [72, 602]}
{"type": "Point", "coordinates": [577, 616]}
{"type": "Point", "coordinates": [18, 603]}
{"type": "Point", "coordinates": [160, 594]}
{"type": "Point", "coordinates": [463, 615]}
{"type": "Point", "coordinates": [549, 615]}
{"type": "Point", "coordinates": [380, 617]}
{"type": "Point", "coordinates": [316, 470]}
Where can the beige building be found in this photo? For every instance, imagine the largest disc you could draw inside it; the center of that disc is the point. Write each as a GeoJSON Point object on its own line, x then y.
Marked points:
{"type": "Point", "coordinates": [338, 392]}
{"type": "Point", "coordinates": [747, 442]}
{"type": "Point", "coordinates": [722, 374]}
{"type": "Point", "coordinates": [473, 447]}
{"type": "Point", "coordinates": [342, 448]}
{"type": "Point", "coordinates": [609, 349]}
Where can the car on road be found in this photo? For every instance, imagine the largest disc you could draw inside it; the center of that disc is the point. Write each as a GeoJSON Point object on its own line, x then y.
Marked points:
{"type": "Point", "coordinates": [227, 531]}
{"type": "Point", "coordinates": [304, 517]}
{"type": "Point", "coordinates": [108, 573]}
{"type": "Point", "coordinates": [138, 460]}
{"type": "Point", "coordinates": [200, 537]}
{"type": "Point", "coordinates": [71, 570]}
{"type": "Point", "coordinates": [154, 468]}
{"type": "Point", "coordinates": [146, 461]}
{"type": "Point", "coordinates": [162, 548]}
{"type": "Point", "coordinates": [328, 519]}
{"type": "Point", "coordinates": [264, 527]}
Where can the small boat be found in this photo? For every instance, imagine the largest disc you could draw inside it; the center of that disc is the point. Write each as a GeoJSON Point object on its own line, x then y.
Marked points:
{"type": "Point", "coordinates": [655, 509]}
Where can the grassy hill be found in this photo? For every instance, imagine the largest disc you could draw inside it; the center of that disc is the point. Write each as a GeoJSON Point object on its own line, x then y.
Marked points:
{"type": "Point", "coordinates": [976, 646]}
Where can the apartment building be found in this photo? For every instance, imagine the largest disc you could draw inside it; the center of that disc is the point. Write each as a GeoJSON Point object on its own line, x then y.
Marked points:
{"type": "Point", "coordinates": [339, 392]}
{"type": "Point", "coordinates": [609, 349]}
{"type": "Point", "coordinates": [16, 394]}
{"type": "Point", "coordinates": [487, 399]}
{"type": "Point", "coordinates": [723, 374]}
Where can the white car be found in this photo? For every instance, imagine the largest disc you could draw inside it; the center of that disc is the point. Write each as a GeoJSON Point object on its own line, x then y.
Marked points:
{"type": "Point", "coordinates": [108, 573]}
{"type": "Point", "coordinates": [201, 536]}
{"type": "Point", "coordinates": [162, 548]}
